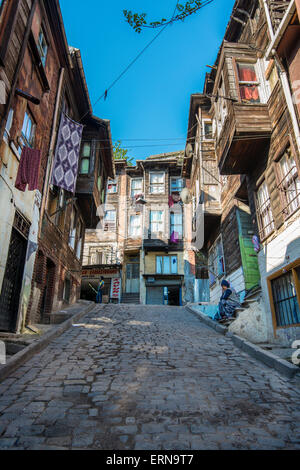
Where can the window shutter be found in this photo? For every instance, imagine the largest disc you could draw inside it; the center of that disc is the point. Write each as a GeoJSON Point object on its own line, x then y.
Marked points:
{"type": "Point", "coordinates": [275, 197]}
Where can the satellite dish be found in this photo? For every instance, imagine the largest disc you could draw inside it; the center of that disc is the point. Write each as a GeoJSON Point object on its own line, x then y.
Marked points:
{"type": "Point", "coordinates": [189, 151]}
{"type": "Point", "coordinates": [185, 196]}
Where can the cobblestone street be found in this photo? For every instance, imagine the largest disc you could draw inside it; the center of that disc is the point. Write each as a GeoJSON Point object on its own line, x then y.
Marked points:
{"type": "Point", "coordinates": [136, 377]}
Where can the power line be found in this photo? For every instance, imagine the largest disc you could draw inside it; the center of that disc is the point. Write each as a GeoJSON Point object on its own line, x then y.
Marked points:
{"type": "Point", "coordinates": [104, 95]}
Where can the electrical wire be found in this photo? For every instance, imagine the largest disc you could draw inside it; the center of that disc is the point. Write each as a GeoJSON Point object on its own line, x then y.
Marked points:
{"type": "Point", "coordinates": [104, 95]}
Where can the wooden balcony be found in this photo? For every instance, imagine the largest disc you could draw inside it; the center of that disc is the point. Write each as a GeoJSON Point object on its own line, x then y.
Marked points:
{"type": "Point", "coordinates": [245, 136]}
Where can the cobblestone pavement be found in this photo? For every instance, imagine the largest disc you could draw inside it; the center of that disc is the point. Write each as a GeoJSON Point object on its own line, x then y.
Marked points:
{"type": "Point", "coordinates": [136, 377]}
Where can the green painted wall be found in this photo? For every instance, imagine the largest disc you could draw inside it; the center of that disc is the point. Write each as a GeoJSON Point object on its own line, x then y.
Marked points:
{"type": "Point", "coordinates": [249, 256]}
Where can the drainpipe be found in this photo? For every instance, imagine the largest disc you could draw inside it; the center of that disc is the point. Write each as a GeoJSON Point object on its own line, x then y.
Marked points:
{"type": "Point", "coordinates": [51, 151]}
{"type": "Point", "coordinates": [269, 21]}
{"type": "Point", "coordinates": [288, 97]}
{"type": "Point", "coordinates": [18, 68]}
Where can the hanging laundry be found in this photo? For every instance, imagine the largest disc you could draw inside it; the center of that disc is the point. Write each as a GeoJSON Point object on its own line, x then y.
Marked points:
{"type": "Point", "coordinates": [29, 168]}
{"type": "Point", "coordinates": [174, 237]}
{"type": "Point", "coordinates": [171, 202]}
{"type": "Point", "coordinates": [65, 169]}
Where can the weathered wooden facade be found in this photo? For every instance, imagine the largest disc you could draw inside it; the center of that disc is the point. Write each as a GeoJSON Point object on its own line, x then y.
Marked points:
{"type": "Point", "coordinates": [255, 128]}
{"type": "Point", "coordinates": [43, 78]}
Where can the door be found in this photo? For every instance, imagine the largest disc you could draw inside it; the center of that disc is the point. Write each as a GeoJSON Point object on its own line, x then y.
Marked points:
{"type": "Point", "coordinates": [155, 296]}
{"type": "Point", "coordinates": [249, 256]}
{"type": "Point", "coordinates": [132, 278]}
{"type": "Point", "coordinates": [12, 282]}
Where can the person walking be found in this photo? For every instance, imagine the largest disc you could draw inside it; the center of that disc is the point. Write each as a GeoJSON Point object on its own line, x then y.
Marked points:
{"type": "Point", "coordinates": [99, 292]}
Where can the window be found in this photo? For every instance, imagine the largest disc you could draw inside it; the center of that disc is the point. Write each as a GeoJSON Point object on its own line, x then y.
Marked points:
{"type": "Point", "coordinates": [166, 265]}
{"type": "Point", "coordinates": [72, 232]}
{"type": "Point", "coordinates": [176, 230]}
{"type": "Point", "coordinates": [85, 158]}
{"type": "Point", "coordinates": [216, 262]}
{"type": "Point", "coordinates": [290, 183]}
{"type": "Point", "coordinates": [112, 187]}
{"type": "Point", "coordinates": [248, 83]}
{"type": "Point", "coordinates": [8, 123]}
{"type": "Point", "coordinates": [157, 183]}
{"type": "Point", "coordinates": [136, 186]}
{"type": "Point", "coordinates": [176, 185]}
{"type": "Point", "coordinates": [264, 211]}
{"type": "Point", "coordinates": [110, 220]}
{"type": "Point", "coordinates": [286, 306]}
{"type": "Point", "coordinates": [273, 77]}
{"type": "Point", "coordinates": [57, 206]}
{"type": "Point", "coordinates": [156, 222]}
{"type": "Point", "coordinates": [207, 130]}
{"type": "Point", "coordinates": [135, 226]}
{"type": "Point", "coordinates": [42, 46]}
{"type": "Point", "coordinates": [221, 111]}
{"type": "Point", "coordinates": [28, 132]}
{"type": "Point", "coordinates": [67, 289]}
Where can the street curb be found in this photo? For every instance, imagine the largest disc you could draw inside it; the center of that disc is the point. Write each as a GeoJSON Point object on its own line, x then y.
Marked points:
{"type": "Point", "coordinates": [269, 359]}
{"type": "Point", "coordinates": [219, 328]}
{"type": "Point", "coordinates": [23, 356]}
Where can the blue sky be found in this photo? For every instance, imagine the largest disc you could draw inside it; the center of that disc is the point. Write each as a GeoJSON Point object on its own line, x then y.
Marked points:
{"type": "Point", "coordinates": [151, 101]}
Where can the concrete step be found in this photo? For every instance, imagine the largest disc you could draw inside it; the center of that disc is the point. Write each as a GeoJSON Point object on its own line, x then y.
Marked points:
{"type": "Point", "coordinates": [130, 299]}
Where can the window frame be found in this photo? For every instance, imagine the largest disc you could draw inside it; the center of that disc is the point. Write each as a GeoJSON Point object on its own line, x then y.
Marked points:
{"type": "Point", "coordinates": [161, 222]}
{"type": "Point", "coordinates": [257, 83]}
{"type": "Point", "coordinates": [204, 123]}
{"type": "Point", "coordinates": [23, 139]}
{"type": "Point", "coordinates": [172, 178]}
{"type": "Point", "coordinates": [131, 227]}
{"type": "Point", "coordinates": [290, 267]}
{"type": "Point", "coordinates": [263, 234]}
{"type": "Point", "coordinates": [280, 180]}
{"type": "Point", "coordinates": [43, 55]}
{"type": "Point", "coordinates": [110, 224]}
{"type": "Point", "coordinates": [85, 158]}
{"type": "Point", "coordinates": [170, 258]}
{"type": "Point", "coordinates": [132, 189]}
{"type": "Point", "coordinates": [114, 184]}
{"type": "Point", "coordinates": [163, 184]}
{"type": "Point", "coordinates": [215, 274]}
{"type": "Point", "coordinates": [173, 225]}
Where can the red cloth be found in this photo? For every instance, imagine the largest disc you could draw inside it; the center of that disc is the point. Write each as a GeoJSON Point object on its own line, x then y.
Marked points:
{"type": "Point", "coordinates": [29, 168]}
{"type": "Point", "coordinates": [171, 201]}
{"type": "Point", "coordinates": [249, 93]}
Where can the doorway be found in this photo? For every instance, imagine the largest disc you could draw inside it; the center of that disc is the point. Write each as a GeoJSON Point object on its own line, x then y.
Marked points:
{"type": "Point", "coordinates": [174, 296]}
{"type": "Point", "coordinates": [133, 278]}
{"type": "Point", "coordinates": [12, 282]}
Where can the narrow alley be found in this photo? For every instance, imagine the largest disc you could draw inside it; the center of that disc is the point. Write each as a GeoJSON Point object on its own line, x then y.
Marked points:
{"type": "Point", "coordinates": [138, 377]}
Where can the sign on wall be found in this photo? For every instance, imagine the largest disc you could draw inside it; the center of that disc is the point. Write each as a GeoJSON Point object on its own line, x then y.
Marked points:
{"type": "Point", "coordinates": [116, 288]}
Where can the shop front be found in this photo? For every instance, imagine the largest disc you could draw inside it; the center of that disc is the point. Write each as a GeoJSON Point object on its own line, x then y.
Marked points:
{"type": "Point", "coordinates": [164, 290]}
{"type": "Point", "coordinates": [112, 282]}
